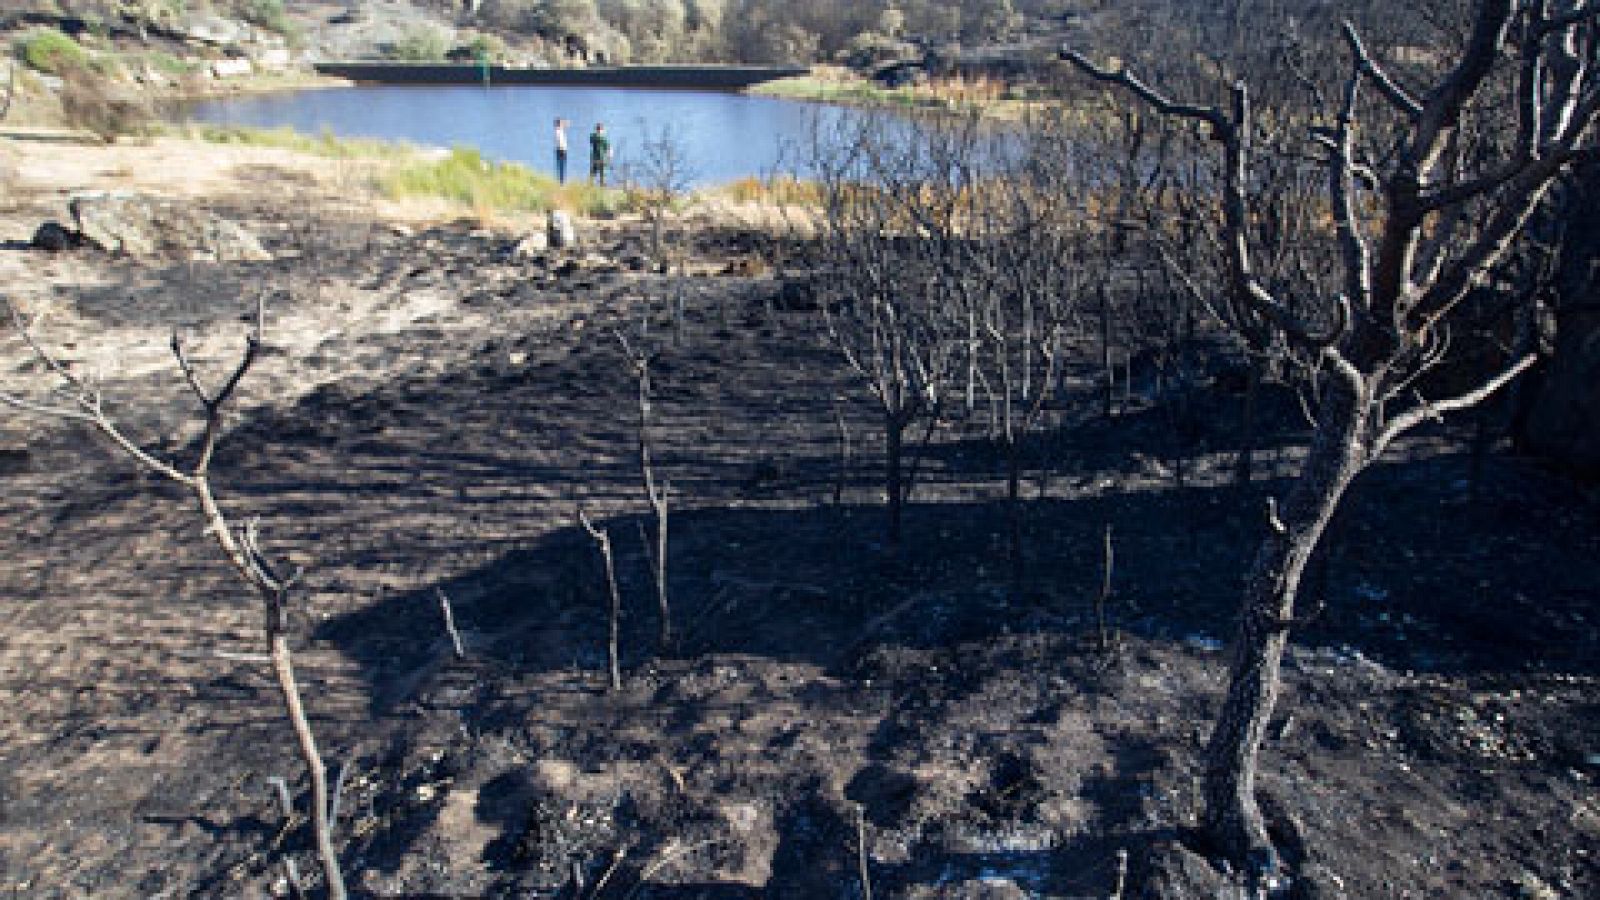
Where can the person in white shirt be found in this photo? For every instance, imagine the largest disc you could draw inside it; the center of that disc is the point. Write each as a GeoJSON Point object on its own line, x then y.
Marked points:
{"type": "Point", "coordinates": [561, 151]}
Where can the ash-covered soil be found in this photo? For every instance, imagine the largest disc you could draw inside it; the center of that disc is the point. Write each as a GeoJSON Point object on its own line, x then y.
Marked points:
{"type": "Point", "coordinates": [434, 410]}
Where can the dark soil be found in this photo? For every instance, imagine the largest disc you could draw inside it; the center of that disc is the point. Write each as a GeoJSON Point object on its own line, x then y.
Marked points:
{"type": "Point", "coordinates": [1439, 736]}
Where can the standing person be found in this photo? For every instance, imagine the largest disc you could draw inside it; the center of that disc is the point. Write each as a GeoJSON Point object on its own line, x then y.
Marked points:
{"type": "Point", "coordinates": [599, 154]}
{"type": "Point", "coordinates": [561, 151]}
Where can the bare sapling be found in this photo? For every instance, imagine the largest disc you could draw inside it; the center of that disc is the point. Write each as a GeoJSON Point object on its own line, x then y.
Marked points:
{"type": "Point", "coordinates": [78, 399]}
{"type": "Point", "coordinates": [655, 494]}
{"type": "Point", "coordinates": [887, 228]}
{"type": "Point", "coordinates": [1103, 598]}
{"type": "Point", "coordinates": [602, 542]}
{"type": "Point", "coordinates": [656, 183]}
{"type": "Point", "coordinates": [1429, 187]}
{"type": "Point", "coordinates": [1015, 232]}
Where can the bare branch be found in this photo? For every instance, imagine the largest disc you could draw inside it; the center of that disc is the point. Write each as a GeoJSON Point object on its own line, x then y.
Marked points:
{"type": "Point", "coordinates": [1425, 410]}
{"type": "Point", "coordinates": [1167, 107]}
{"type": "Point", "coordinates": [1392, 91]}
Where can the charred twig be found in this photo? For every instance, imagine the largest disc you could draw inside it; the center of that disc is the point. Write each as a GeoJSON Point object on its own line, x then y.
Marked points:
{"type": "Point", "coordinates": [655, 494]}
{"type": "Point", "coordinates": [861, 852]}
{"type": "Point", "coordinates": [1103, 597]}
{"type": "Point", "coordinates": [602, 541]}
{"type": "Point", "coordinates": [450, 623]}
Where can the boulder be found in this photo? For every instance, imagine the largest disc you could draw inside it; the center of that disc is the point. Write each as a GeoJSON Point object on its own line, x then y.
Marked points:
{"type": "Point", "coordinates": [138, 225]}
{"type": "Point", "coordinates": [563, 235]}
{"type": "Point", "coordinates": [208, 28]}
{"type": "Point", "coordinates": [232, 68]}
{"type": "Point", "coordinates": [55, 237]}
{"type": "Point", "coordinates": [531, 246]}
{"type": "Point", "coordinates": [270, 53]}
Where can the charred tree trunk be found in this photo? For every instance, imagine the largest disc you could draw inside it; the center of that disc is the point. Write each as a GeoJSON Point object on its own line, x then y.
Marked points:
{"type": "Point", "coordinates": [1232, 818]}
{"type": "Point", "coordinates": [321, 821]}
{"type": "Point", "coordinates": [1107, 363]}
{"type": "Point", "coordinates": [894, 427]}
{"type": "Point", "coordinates": [1018, 559]}
{"type": "Point", "coordinates": [1244, 466]}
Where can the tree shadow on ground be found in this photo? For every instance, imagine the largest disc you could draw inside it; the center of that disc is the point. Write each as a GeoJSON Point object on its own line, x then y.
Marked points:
{"type": "Point", "coordinates": [812, 588]}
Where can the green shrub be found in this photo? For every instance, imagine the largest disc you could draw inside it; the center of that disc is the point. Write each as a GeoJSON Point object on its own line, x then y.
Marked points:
{"type": "Point", "coordinates": [421, 45]}
{"type": "Point", "coordinates": [168, 64]}
{"type": "Point", "coordinates": [268, 14]}
{"type": "Point", "coordinates": [52, 52]}
{"type": "Point", "coordinates": [485, 46]}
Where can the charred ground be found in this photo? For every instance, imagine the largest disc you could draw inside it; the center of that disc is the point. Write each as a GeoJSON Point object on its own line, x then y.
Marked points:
{"type": "Point", "coordinates": [436, 429]}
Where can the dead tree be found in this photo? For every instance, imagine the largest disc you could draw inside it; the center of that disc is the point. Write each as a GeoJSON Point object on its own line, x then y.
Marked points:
{"type": "Point", "coordinates": [887, 233]}
{"type": "Point", "coordinates": [81, 401]}
{"type": "Point", "coordinates": [655, 493]}
{"type": "Point", "coordinates": [1015, 234]}
{"type": "Point", "coordinates": [1419, 222]}
{"type": "Point", "coordinates": [655, 182]}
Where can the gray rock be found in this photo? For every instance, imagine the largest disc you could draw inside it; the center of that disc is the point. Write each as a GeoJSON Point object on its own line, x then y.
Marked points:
{"type": "Point", "coordinates": [209, 28]}
{"type": "Point", "coordinates": [56, 237]}
{"type": "Point", "coordinates": [562, 233]}
{"type": "Point", "coordinates": [143, 226]}
{"type": "Point", "coordinates": [532, 246]}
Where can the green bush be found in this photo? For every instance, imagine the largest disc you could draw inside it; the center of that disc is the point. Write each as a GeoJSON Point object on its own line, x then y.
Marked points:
{"type": "Point", "coordinates": [52, 52]}
{"type": "Point", "coordinates": [421, 45]}
{"type": "Point", "coordinates": [268, 14]}
{"type": "Point", "coordinates": [485, 46]}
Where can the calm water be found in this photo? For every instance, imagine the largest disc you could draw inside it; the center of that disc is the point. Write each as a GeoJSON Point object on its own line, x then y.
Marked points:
{"type": "Point", "coordinates": [727, 136]}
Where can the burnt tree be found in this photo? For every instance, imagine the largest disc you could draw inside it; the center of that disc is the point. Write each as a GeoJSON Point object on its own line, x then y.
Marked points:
{"type": "Point", "coordinates": [1429, 187]}
{"type": "Point", "coordinates": [80, 400]}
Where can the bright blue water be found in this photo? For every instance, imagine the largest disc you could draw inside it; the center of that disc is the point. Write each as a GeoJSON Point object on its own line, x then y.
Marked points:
{"type": "Point", "coordinates": [726, 136]}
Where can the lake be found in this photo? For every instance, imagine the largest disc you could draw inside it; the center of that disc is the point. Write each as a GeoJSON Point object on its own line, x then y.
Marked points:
{"type": "Point", "coordinates": [726, 135]}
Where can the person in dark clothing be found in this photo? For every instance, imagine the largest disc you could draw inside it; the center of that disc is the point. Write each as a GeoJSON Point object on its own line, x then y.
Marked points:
{"type": "Point", "coordinates": [599, 154]}
{"type": "Point", "coordinates": [561, 151]}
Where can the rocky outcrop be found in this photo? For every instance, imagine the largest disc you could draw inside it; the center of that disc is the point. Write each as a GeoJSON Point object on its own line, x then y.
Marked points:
{"type": "Point", "coordinates": [137, 225]}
